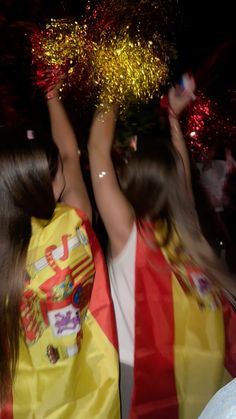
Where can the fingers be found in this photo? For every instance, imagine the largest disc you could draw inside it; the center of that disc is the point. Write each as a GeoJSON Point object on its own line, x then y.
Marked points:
{"type": "Point", "coordinates": [188, 85]}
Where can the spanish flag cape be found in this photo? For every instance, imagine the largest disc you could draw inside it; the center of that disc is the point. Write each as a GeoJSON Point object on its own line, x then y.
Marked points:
{"type": "Point", "coordinates": [185, 334]}
{"type": "Point", "coordinates": [68, 362]}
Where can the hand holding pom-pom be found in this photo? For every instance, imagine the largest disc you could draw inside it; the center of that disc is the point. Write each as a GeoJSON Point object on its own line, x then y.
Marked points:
{"type": "Point", "coordinates": [49, 80]}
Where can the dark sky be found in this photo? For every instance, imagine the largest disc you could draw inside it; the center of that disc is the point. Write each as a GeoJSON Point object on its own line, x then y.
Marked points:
{"type": "Point", "coordinates": [203, 24]}
{"type": "Point", "coordinates": [206, 24]}
{"type": "Point", "coordinates": [205, 34]}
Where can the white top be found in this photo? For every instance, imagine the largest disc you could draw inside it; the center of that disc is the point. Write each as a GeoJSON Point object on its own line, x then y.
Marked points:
{"type": "Point", "coordinates": [223, 404]}
{"type": "Point", "coordinates": [122, 279]}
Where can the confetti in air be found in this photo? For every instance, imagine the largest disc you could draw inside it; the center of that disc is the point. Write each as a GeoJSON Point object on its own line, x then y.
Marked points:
{"type": "Point", "coordinates": [207, 127]}
{"type": "Point", "coordinates": [197, 122]}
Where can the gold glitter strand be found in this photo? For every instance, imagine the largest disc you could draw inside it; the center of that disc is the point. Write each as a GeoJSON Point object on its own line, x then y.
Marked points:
{"type": "Point", "coordinates": [128, 70]}
{"type": "Point", "coordinates": [117, 68]}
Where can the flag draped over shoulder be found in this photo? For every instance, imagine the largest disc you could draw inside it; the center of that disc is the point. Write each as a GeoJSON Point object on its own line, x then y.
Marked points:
{"type": "Point", "coordinates": [68, 362]}
{"type": "Point", "coordinates": [184, 333]}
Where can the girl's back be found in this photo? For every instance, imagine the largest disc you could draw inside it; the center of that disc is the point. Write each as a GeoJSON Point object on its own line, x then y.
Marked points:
{"type": "Point", "coordinates": [173, 337]}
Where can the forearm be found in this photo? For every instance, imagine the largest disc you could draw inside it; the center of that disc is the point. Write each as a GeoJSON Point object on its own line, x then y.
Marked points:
{"type": "Point", "coordinates": [102, 130]}
{"type": "Point", "coordinates": [178, 142]}
{"type": "Point", "coordinates": [75, 192]}
{"type": "Point", "coordinates": [115, 210]}
{"type": "Point", "coordinates": [62, 131]}
{"type": "Point", "coordinates": [99, 148]}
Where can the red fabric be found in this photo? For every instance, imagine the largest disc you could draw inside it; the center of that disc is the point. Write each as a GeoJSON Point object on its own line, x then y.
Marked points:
{"type": "Point", "coordinates": [100, 304]}
{"type": "Point", "coordinates": [154, 394]}
{"type": "Point", "coordinates": [6, 412]}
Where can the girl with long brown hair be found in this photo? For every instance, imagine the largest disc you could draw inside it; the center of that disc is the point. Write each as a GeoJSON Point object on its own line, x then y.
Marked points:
{"type": "Point", "coordinates": [169, 288]}
{"type": "Point", "coordinates": [58, 356]}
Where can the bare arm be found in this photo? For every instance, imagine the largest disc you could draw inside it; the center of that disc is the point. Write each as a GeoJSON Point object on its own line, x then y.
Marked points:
{"type": "Point", "coordinates": [75, 193]}
{"type": "Point", "coordinates": [115, 210]}
{"type": "Point", "coordinates": [179, 143]}
{"type": "Point", "coordinates": [178, 100]}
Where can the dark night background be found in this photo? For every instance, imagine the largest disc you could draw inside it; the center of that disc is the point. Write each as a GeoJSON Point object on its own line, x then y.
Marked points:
{"type": "Point", "coordinates": [205, 37]}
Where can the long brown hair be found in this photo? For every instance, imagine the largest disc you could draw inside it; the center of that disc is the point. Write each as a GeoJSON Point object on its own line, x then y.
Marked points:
{"type": "Point", "coordinates": [27, 169]}
{"type": "Point", "coordinates": [154, 183]}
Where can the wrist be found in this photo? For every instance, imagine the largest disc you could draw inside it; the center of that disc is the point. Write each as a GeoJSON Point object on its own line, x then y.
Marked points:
{"type": "Point", "coordinates": [50, 97]}
{"type": "Point", "coordinates": [165, 104]}
{"type": "Point", "coordinates": [52, 94]}
{"type": "Point", "coordinates": [171, 113]}
{"type": "Point", "coordinates": [174, 122]}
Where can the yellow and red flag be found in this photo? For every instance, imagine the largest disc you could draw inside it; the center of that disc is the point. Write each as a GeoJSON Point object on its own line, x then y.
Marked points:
{"type": "Point", "coordinates": [184, 336]}
{"type": "Point", "coordinates": [68, 361]}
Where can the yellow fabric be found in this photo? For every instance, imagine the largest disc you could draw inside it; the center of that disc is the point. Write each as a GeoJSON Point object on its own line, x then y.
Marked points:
{"type": "Point", "coordinates": [199, 347]}
{"type": "Point", "coordinates": [80, 381]}
{"type": "Point", "coordinates": [81, 387]}
{"type": "Point", "coordinates": [199, 330]}
{"type": "Point", "coordinates": [180, 262]}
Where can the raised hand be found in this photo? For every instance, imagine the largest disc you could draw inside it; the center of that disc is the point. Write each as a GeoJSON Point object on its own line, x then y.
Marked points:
{"type": "Point", "coordinates": [181, 95]}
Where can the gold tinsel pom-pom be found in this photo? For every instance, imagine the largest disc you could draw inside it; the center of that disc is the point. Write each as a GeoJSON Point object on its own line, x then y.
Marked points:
{"type": "Point", "coordinates": [117, 68]}
{"type": "Point", "coordinates": [128, 69]}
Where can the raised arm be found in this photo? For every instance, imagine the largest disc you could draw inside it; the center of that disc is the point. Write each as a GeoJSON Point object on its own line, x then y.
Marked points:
{"type": "Point", "coordinates": [115, 210]}
{"type": "Point", "coordinates": [75, 193]}
{"type": "Point", "coordinates": [179, 98]}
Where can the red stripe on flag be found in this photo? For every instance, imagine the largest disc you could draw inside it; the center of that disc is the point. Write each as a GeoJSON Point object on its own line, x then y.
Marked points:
{"type": "Point", "coordinates": [6, 411]}
{"type": "Point", "coordinates": [154, 393]}
{"type": "Point", "coordinates": [100, 304]}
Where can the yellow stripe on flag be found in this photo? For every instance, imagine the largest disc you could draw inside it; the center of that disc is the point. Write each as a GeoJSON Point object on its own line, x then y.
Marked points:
{"type": "Point", "coordinates": [199, 352]}
{"type": "Point", "coordinates": [91, 393]}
